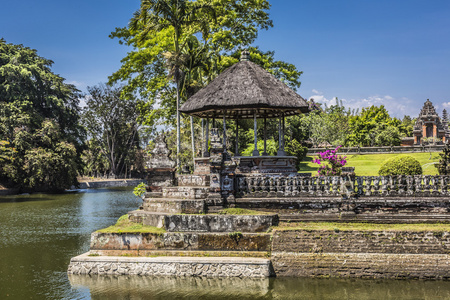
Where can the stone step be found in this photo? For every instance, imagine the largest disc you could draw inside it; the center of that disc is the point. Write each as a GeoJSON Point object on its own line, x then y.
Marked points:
{"type": "Point", "coordinates": [171, 266]}
{"type": "Point", "coordinates": [205, 222]}
{"type": "Point", "coordinates": [174, 206]}
{"type": "Point", "coordinates": [153, 195]}
{"type": "Point", "coordinates": [179, 241]}
{"type": "Point", "coordinates": [185, 192]}
{"type": "Point", "coordinates": [154, 253]}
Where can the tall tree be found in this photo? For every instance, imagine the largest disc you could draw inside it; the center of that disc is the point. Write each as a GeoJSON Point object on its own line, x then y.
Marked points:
{"type": "Point", "coordinates": [144, 68]}
{"type": "Point", "coordinates": [38, 121]}
{"type": "Point", "coordinates": [111, 119]}
{"type": "Point", "coordinates": [366, 126]}
{"type": "Point", "coordinates": [176, 16]}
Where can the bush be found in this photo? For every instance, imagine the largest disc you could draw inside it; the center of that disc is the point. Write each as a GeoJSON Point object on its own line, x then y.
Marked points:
{"type": "Point", "coordinates": [400, 165]}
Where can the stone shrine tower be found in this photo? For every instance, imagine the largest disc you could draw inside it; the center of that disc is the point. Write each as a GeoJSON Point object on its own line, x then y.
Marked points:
{"type": "Point", "coordinates": [429, 125]}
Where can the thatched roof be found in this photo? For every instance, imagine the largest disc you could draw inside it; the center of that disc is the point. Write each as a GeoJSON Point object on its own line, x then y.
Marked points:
{"type": "Point", "coordinates": [242, 90]}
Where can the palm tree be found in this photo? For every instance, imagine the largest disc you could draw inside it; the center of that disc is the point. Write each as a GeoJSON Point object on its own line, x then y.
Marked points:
{"type": "Point", "coordinates": [157, 15]}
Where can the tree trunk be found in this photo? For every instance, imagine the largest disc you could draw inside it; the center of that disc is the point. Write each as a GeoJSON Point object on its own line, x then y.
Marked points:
{"type": "Point", "coordinates": [178, 128]}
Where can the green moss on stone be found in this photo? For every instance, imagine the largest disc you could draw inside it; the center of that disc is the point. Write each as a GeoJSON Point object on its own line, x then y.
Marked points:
{"type": "Point", "coordinates": [124, 225]}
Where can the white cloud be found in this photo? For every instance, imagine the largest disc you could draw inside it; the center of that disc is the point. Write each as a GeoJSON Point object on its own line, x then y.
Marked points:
{"type": "Point", "coordinates": [317, 92]}
{"type": "Point", "coordinates": [397, 107]}
{"type": "Point", "coordinates": [78, 84]}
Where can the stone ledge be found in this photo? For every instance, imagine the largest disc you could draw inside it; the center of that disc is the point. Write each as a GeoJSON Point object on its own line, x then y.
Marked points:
{"type": "Point", "coordinates": [171, 266]}
{"type": "Point", "coordinates": [184, 253]}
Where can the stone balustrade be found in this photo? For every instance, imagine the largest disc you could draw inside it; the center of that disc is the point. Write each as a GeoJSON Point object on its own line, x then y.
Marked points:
{"type": "Point", "coordinates": [265, 185]}
{"type": "Point", "coordinates": [380, 149]}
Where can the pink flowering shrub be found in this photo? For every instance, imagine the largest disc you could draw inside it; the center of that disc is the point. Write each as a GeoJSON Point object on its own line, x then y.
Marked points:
{"type": "Point", "coordinates": [330, 163]}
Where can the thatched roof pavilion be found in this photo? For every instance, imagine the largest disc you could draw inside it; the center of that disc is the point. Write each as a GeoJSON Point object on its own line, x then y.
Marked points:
{"type": "Point", "coordinates": [243, 90]}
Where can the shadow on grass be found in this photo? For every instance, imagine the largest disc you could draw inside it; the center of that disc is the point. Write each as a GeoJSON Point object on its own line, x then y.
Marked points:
{"type": "Point", "coordinates": [307, 166]}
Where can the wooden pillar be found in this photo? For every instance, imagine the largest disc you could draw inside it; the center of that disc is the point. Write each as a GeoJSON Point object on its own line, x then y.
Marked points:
{"type": "Point", "coordinates": [236, 152]}
{"type": "Point", "coordinates": [255, 128]}
{"type": "Point", "coordinates": [424, 130]}
{"type": "Point", "coordinates": [265, 136]}
{"type": "Point", "coordinates": [283, 132]}
{"type": "Point", "coordinates": [281, 137]}
{"type": "Point", "coordinates": [203, 130]}
{"type": "Point", "coordinates": [206, 152]}
{"type": "Point", "coordinates": [192, 140]}
{"type": "Point", "coordinates": [224, 133]}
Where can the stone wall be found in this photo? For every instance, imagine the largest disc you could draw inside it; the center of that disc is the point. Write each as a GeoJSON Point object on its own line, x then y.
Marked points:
{"type": "Point", "coordinates": [329, 241]}
{"type": "Point", "coordinates": [362, 265]}
{"type": "Point", "coordinates": [170, 266]}
{"type": "Point", "coordinates": [362, 254]}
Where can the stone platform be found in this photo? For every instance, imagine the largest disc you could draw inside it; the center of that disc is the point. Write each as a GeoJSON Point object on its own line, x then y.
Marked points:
{"type": "Point", "coordinates": [170, 266]}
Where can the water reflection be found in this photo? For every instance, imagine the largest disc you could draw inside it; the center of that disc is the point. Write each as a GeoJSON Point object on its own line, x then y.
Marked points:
{"type": "Point", "coordinates": [40, 233]}
{"type": "Point", "coordinates": [137, 287]}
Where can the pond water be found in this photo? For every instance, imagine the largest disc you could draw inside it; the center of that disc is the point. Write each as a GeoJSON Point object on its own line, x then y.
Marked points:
{"type": "Point", "coordinates": [40, 233]}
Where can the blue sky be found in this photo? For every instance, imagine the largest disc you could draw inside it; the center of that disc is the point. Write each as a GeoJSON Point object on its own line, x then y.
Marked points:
{"type": "Point", "coordinates": [365, 52]}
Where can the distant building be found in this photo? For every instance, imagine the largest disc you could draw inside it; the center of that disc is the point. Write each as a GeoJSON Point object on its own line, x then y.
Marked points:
{"type": "Point", "coordinates": [429, 128]}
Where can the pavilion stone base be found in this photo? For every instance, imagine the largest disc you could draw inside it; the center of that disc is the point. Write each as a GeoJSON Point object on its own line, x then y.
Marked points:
{"type": "Point", "coordinates": [244, 164]}
{"type": "Point", "coordinates": [266, 164]}
{"type": "Point", "coordinates": [171, 266]}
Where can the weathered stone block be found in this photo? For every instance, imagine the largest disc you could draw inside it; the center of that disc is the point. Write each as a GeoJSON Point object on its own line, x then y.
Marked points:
{"type": "Point", "coordinates": [186, 192]}
{"type": "Point", "coordinates": [174, 206]}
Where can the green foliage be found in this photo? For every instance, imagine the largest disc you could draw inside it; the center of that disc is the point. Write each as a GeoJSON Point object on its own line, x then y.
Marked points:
{"type": "Point", "coordinates": [444, 162]}
{"type": "Point", "coordinates": [374, 126]}
{"type": "Point", "coordinates": [387, 135]}
{"type": "Point", "coordinates": [295, 148]}
{"type": "Point", "coordinates": [400, 165]}
{"type": "Point", "coordinates": [39, 127]}
{"type": "Point", "coordinates": [271, 147]}
{"type": "Point", "coordinates": [321, 127]}
{"type": "Point", "coordinates": [140, 190]}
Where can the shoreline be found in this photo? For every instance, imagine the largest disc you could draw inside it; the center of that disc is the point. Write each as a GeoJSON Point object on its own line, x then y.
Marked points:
{"type": "Point", "coordinates": [84, 184]}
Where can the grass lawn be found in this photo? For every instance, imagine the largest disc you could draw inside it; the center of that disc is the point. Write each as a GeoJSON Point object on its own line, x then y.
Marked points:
{"type": "Point", "coordinates": [369, 164]}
